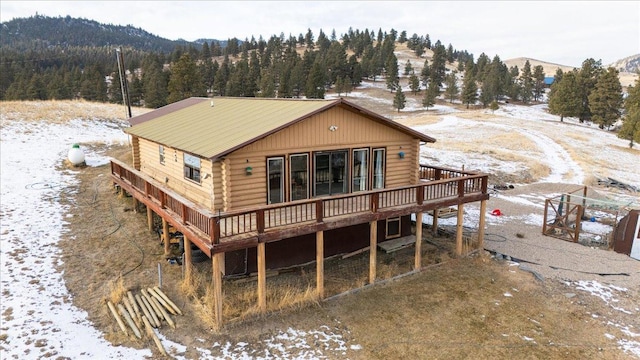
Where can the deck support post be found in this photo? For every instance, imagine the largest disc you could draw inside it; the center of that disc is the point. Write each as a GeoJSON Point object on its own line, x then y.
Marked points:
{"type": "Point", "coordinates": [373, 246]}
{"type": "Point", "coordinates": [320, 264]}
{"type": "Point", "coordinates": [262, 278]}
{"type": "Point", "coordinates": [216, 275]}
{"type": "Point", "coordinates": [483, 210]}
{"type": "Point", "coordinates": [166, 237]}
{"type": "Point", "coordinates": [150, 218]}
{"type": "Point", "coordinates": [459, 229]}
{"type": "Point", "coordinates": [186, 260]}
{"type": "Point", "coordinates": [418, 262]}
{"type": "Point", "coordinates": [136, 204]}
{"type": "Point", "coordinates": [434, 228]}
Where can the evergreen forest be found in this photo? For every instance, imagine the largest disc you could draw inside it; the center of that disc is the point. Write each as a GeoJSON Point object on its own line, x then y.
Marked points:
{"type": "Point", "coordinates": [45, 58]}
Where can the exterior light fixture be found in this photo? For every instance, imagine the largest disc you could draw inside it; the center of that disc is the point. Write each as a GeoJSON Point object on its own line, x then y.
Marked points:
{"type": "Point", "coordinates": [248, 170]}
{"type": "Point", "coordinates": [333, 128]}
{"type": "Point", "coordinates": [401, 154]}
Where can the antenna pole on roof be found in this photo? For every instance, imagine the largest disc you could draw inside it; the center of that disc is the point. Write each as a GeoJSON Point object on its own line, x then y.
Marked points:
{"type": "Point", "coordinates": [124, 87]}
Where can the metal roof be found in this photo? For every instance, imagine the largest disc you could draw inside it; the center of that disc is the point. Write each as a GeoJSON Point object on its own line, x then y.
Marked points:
{"type": "Point", "coordinates": [214, 127]}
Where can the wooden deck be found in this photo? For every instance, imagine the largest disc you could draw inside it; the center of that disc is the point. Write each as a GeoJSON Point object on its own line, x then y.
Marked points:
{"type": "Point", "coordinates": [233, 230]}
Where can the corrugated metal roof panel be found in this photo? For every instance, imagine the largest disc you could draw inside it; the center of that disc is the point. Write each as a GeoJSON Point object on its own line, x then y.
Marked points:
{"type": "Point", "coordinates": [211, 131]}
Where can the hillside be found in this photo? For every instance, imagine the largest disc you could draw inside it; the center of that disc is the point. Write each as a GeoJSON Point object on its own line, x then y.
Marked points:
{"type": "Point", "coordinates": [66, 31]}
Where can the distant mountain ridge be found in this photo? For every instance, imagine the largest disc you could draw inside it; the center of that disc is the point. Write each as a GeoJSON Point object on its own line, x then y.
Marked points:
{"type": "Point", "coordinates": [68, 31]}
{"type": "Point", "coordinates": [629, 64]}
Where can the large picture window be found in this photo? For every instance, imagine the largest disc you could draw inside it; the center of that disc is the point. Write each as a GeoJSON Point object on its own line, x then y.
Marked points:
{"type": "Point", "coordinates": [192, 167]}
{"type": "Point", "coordinates": [360, 173]}
{"type": "Point", "coordinates": [378, 168]}
{"type": "Point", "coordinates": [299, 168]}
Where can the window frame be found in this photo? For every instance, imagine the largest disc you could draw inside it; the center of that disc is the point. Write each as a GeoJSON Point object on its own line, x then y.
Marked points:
{"type": "Point", "coordinates": [161, 154]}
{"type": "Point", "coordinates": [282, 180]}
{"type": "Point", "coordinates": [292, 181]}
{"type": "Point", "coordinates": [191, 171]}
{"type": "Point", "coordinates": [364, 173]}
{"type": "Point", "coordinates": [374, 183]}
{"type": "Point", "coordinates": [393, 220]}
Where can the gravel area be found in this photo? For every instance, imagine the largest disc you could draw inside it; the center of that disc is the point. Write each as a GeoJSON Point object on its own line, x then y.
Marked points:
{"type": "Point", "coordinates": [518, 234]}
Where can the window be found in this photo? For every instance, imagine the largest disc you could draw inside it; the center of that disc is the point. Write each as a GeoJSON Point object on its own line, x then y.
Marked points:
{"type": "Point", "coordinates": [298, 178]}
{"type": "Point", "coordinates": [161, 152]}
{"type": "Point", "coordinates": [275, 187]}
{"type": "Point", "coordinates": [360, 170]}
{"type": "Point", "coordinates": [192, 167]}
{"type": "Point", "coordinates": [378, 168]}
{"type": "Point", "coordinates": [393, 228]}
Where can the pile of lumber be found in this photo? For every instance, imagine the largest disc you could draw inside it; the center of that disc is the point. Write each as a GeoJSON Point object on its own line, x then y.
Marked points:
{"type": "Point", "coordinates": [147, 310]}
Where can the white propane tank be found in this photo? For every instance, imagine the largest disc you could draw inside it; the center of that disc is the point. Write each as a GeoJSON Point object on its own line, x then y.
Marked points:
{"type": "Point", "coordinates": [76, 156]}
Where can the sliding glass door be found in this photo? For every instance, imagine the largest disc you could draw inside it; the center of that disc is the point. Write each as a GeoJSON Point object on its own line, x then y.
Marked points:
{"type": "Point", "coordinates": [330, 173]}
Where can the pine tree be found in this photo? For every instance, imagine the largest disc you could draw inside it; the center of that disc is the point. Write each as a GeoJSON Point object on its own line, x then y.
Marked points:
{"type": "Point", "coordinates": [339, 86]}
{"type": "Point", "coordinates": [605, 101]}
{"type": "Point", "coordinates": [408, 69]}
{"type": "Point", "coordinates": [393, 82]}
{"type": "Point", "coordinates": [185, 80]}
{"type": "Point", "coordinates": [469, 90]}
{"type": "Point", "coordinates": [452, 90]}
{"type": "Point", "coordinates": [538, 82]}
{"type": "Point", "coordinates": [630, 129]}
{"type": "Point", "coordinates": [494, 106]}
{"type": "Point", "coordinates": [399, 100]}
{"type": "Point", "coordinates": [587, 78]}
{"type": "Point", "coordinates": [414, 83]}
{"type": "Point", "coordinates": [527, 83]}
{"type": "Point", "coordinates": [564, 97]}
{"type": "Point", "coordinates": [429, 98]}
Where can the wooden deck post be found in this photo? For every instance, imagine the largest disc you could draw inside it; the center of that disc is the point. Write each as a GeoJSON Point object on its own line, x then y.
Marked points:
{"type": "Point", "coordinates": [418, 262]}
{"type": "Point", "coordinates": [373, 238]}
{"type": "Point", "coordinates": [186, 261]}
{"type": "Point", "coordinates": [320, 264]}
{"type": "Point", "coordinates": [459, 224]}
{"type": "Point", "coordinates": [483, 210]}
{"type": "Point", "coordinates": [217, 288]}
{"type": "Point", "coordinates": [166, 237]}
{"type": "Point", "coordinates": [262, 278]}
{"type": "Point", "coordinates": [434, 228]}
{"type": "Point", "coordinates": [150, 218]}
{"type": "Point", "coordinates": [136, 204]}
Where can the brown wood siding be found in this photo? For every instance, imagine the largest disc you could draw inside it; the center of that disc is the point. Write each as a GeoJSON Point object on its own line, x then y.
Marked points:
{"type": "Point", "coordinates": [173, 170]}
{"type": "Point", "coordinates": [313, 134]}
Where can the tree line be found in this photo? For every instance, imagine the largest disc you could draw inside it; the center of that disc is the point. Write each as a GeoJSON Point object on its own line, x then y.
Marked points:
{"type": "Point", "coordinates": [307, 66]}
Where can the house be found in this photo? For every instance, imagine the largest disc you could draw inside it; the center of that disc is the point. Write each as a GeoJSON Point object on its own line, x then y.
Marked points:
{"type": "Point", "coordinates": [265, 183]}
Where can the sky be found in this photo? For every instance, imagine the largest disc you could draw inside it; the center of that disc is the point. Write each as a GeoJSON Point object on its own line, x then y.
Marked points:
{"type": "Point", "coordinates": [564, 33]}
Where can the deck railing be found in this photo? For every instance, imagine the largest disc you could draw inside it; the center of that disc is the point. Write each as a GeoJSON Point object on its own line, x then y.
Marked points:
{"type": "Point", "coordinates": [441, 184]}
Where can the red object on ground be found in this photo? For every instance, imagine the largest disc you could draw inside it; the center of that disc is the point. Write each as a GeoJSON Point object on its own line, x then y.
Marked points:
{"type": "Point", "coordinates": [496, 212]}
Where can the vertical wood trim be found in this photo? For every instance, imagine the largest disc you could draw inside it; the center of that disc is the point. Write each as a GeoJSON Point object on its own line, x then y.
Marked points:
{"type": "Point", "coordinates": [434, 228]}
{"type": "Point", "coordinates": [186, 261]}
{"type": "Point", "coordinates": [262, 278]}
{"type": "Point", "coordinates": [165, 235]}
{"type": "Point", "coordinates": [418, 262]}
{"type": "Point", "coordinates": [320, 264]}
{"type": "Point", "coordinates": [217, 288]}
{"type": "Point", "coordinates": [150, 218]}
{"type": "Point", "coordinates": [483, 211]}
{"type": "Point", "coordinates": [373, 237]}
{"type": "Point", "coordinates": [226, 184]}
{"type": "Point", "coordinates": [459, 229]}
